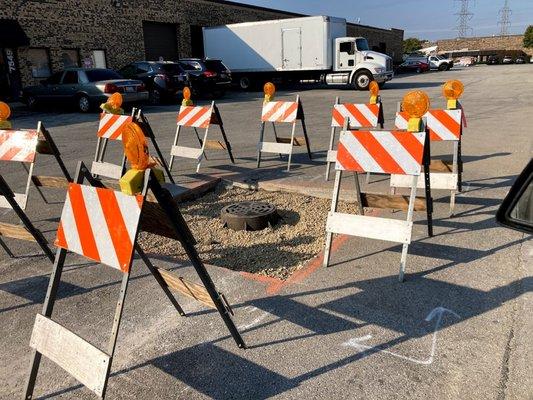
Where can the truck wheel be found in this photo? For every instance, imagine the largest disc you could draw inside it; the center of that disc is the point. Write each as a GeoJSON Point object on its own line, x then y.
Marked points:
{"type": "Point", "coordinates": [361, 80]}
{"type": "Point", "coordinates": [245, 83]}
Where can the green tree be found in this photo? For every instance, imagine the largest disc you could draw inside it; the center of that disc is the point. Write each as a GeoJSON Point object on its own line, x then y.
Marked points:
{"type": "Point", "coordinates": [528, 36]}
{"type": "Point", "coordinates": [411, 44]}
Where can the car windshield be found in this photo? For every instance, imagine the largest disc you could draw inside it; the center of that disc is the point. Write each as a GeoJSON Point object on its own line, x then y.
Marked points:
{"type": "Point", "coordinates": [170, 68]}
{"type": "Point", "coordinates": [361, 44]}
{"type": "Point", "coordinates": [441, 58]}
{"type": "Point", "coordinates": [95, 75]}
{"type": "Point", "coordinates": [215, 65]}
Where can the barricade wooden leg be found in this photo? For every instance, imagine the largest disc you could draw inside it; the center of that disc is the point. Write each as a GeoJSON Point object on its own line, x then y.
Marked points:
{"type": "Point", "coordinates": [204, 141]}
{"type": "Point", "coordinates": [184, 236]}
{"type": "Point", "coordinates": [427, 185]}
{"type": "Point", "coordinates": [455, 170]}
{"type": "Point", "coordinates": [410, 211]}
{"type": "Point", "coordinates": [176, 137]}
{"type": "Point", "coordinates": [199, 141]}
{"type": "Point", "coordinates": [228, 145]}
{"type": "Point", "coordinates": [276, 137]}
{"type": "Point", "coordinates": [48, 307]}
{"type": "Point", "coordinates": [30, 174]}
{"type": "Point", "coordinates": [159, 279]}
{"type": "Point", "coordinates": [330, 148]}
{"type": "Point", "coordinates": [261, 138]}
{"type": "Point", "coordinates": [334, 203]}
{"type": "Point", "coordinates": [460, 169]}
{"type": "Point", "coordinates": [307, 143]}
{"type": "Point", "coordinates": [292, 146]}
{"type": "Point", "coordinates": [6, 249]}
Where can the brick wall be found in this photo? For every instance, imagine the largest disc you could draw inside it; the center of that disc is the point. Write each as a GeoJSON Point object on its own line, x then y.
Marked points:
{"type": "Point", "coordinates": [99, 24]}
{"type": "Point", "coordinates": [513, 42]}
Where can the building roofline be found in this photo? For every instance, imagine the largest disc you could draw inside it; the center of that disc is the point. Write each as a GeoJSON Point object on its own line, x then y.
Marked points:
{"type": "Point", "coordinates": [275, 10]}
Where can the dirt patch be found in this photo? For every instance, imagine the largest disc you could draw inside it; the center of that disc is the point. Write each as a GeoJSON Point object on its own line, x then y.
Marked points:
{"type": "Point", "coordinates": [276, 251]}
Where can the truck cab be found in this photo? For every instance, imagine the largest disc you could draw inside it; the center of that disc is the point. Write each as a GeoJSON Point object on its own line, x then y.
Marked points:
{"type": "Point", "coordinates": [354, 63]}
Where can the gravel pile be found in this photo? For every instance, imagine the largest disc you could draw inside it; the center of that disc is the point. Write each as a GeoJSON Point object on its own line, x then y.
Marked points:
{"type": "Point", "coordinates": [277, 251]}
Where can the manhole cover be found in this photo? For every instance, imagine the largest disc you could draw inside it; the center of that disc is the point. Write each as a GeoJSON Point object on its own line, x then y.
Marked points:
{"type": "Point", "coordinates": [248, 215]}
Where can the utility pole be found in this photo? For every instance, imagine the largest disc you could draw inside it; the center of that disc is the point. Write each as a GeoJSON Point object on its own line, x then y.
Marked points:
{"type": "Point", "coordinates": [463, 16]}
{"type": "Point", "coordinates": [505, 19]}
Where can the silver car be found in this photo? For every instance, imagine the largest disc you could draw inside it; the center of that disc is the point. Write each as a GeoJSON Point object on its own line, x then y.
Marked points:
{"type": "Point", "coordinates": [85, 88]}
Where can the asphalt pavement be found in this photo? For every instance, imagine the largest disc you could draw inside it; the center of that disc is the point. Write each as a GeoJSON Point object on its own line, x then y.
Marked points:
{"type": "Point", "coordinates": [459, 327]}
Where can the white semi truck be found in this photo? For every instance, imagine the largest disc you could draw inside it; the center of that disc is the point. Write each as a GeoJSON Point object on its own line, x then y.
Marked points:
{"type": "Point", "coordinates": [308, 48]}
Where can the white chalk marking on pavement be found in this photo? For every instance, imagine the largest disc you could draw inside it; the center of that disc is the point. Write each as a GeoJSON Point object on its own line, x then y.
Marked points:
{"type": "Point", "coordinates": [438, 312]}
{"type": "Point", "coordinates": [255, 321]}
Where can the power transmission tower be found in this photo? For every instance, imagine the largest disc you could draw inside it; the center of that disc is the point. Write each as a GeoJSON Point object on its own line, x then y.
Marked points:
{"type": "Point", "coordinates": [463, 16]}
{"type": "Point", "coordinates": [505, 19]}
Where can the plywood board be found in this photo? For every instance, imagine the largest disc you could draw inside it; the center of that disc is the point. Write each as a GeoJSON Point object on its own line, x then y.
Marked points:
{"type": "Point", "coordinates": [298, 140]}
{"type": "Point", "coordinates": [56, 182]}
{"type": "Point", "coordinates": [370, 227]}
{"type": "Point", "coordinates": [15, 232]}
{"type": "Point", "coordinates": [215, 145]}
{"type": "Point", "coordinates": [189, 289]}
{"type": "Point", "coordinates": [79, 358]}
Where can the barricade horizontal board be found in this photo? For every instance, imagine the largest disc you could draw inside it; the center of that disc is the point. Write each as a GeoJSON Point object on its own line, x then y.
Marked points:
{"type": "Point", "coordinates": [391, 152]}
{"type": "Point", "coordinates": [279, 111]}
{"type": "Point", "coordinates": [100, 224]}
{"type": "Point", "coordinates": [18, 145]}
{"type": "Point", "coordinates": [359, 115]}
{"type": "Point", "coordinates": [443, 125]}
{"type": "Point", "coordinates": [194, 116]}
{"type": "Point", "coordinates": [111, 125]}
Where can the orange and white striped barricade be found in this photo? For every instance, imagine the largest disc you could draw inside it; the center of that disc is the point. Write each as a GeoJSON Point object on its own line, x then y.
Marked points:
{"type": "Point", "coordinates": [389, 152]}
{"type": "Point", "coordinates": [22, 146]}
{"type": "Point", "coordinates": [101, 224]}
{"type": "Point", "coordinates": [288, 112]}
{"type": "Point", "coordinates": [199, 117]}
{"type": "Point", "coordinates": [359, 116]}
{"type": "Point", "coordinates": [443, 126]}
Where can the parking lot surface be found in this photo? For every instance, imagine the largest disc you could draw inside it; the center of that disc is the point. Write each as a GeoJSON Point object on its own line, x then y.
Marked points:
{"type": "Point", "coordinates": [459, 327]}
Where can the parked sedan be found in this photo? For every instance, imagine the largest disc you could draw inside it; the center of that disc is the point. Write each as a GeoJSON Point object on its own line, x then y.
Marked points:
{"type": "Point", "coordinates": [520, 60]}
{"type": "Point", "coordinates": [493, 59]}
{"type": "Point", "coordinates": [163, 79]}
{"type": "Point", "coordinates": [413, 66]}
{"type": "Point", "coordinates": [207, 76]}
{"type": "Point", "coordinates": [83, 87]}
{"type": "Point", "coordinates": [507, 60]}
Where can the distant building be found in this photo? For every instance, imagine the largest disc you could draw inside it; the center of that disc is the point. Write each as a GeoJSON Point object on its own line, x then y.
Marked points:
{"type": "Point", "coordinates": [482, 47]}
{"type": "Point", "coordinates": [38, 37]}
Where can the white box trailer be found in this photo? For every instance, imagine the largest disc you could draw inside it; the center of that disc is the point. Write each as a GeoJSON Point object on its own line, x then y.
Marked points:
{"type": "Point", "coordinates": [293, 49]}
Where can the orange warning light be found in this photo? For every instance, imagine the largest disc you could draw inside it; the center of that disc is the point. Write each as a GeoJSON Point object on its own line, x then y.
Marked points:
{"type": "Point", "coordinates": [453, 89]}
{"type": "Point", "coordinates": [5, 111]}
{"type": "Point", "coordinates": [269, 88]}
{"type": "Point", "coordinates": [415, 103]}
{"type": "Point", "coordinates": [373, 88]}
{"type": "Point", "coordinates": [186, 93]}
{"type": "Point", "coordinates": [135, 147]}
{"type": "Point", "coordinates": [115, 100]}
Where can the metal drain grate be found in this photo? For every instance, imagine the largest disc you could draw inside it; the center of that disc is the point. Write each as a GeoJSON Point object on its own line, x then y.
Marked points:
{"type": "Point", "coordinates": [249, 215]}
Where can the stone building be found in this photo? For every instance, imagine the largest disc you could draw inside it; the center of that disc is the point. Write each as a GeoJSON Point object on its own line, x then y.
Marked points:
{"type": "Point", "coordinates": [482, 47]}
{"type": "Point", "coordinates": [39, 37]}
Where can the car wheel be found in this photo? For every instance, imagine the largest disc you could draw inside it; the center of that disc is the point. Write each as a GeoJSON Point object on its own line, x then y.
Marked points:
{"type": "Point", "coordinates": [362, 80]}
{"type": "Point", "coordinates": [245, 83]}
{"type": "Point", "coordinates": [84, 105]}
{"type": "Point", "coordinates": [154, 96]}
{"type": "Point", "coordinates": [31, 102]}
{"type": "Point", "coordinates": [443, 67]}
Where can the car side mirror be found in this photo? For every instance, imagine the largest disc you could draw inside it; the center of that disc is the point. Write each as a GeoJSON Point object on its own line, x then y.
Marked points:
{"type": "Point", "coordinates": [516, 210]}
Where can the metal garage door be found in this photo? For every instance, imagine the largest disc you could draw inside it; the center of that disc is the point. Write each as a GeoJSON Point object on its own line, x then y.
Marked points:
{"type": "Point", "coordinates": [160, 40]}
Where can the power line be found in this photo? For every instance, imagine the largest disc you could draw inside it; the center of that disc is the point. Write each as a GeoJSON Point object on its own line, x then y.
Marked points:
{"type": "Point", "coordinates": [505, 19]}
{"type": "Point", "coordinates": [463, 16]}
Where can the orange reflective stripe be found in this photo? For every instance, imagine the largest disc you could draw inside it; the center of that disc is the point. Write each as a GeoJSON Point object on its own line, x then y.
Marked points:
{"type": "Point", "coordinates": [353, 110]}
{"type": "Point", "coordinates": [186, 110]}
{"type": "Point", "coordinates": [411, 144]}
{"type": "Point", "coordinates": [338, 117]}
{"type": "Point", "coordinates": [378, 153]}
{"type": "Point", "coordinates": [198, 115]}
{"type": "Point", "coordinates": [60, 241]}
{"type": "Point", "coordinates": [345, 159]}
{"type": "Point", "coordinates": [273, 110]}
{"type": "Point", "coordinates": [102, 131]}
{"type": "Point", "coordinates": [288, 112]}
{"type": "Point", "coordinates": [83, 224]}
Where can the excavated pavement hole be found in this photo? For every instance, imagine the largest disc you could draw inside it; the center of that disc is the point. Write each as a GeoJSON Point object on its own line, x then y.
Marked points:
{"type": "Point", "coordinates": [277, 251]}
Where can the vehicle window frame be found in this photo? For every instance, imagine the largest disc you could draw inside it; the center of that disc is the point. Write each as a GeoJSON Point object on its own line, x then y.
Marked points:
{"type": "Point", "coordinates": [190, 63]}
{"type": "Point", "coordinates": [65, 75]}
{"type": "Point", "coordinates": [87, 73]}
{"type": "Point", "coordinates": [351, 44]}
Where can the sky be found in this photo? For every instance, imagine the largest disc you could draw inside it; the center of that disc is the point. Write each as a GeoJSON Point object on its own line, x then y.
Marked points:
{"type": "Point", "coordinates": [424, 19]}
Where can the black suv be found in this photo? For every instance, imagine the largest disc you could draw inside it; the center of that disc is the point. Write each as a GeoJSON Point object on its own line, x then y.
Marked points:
{"type": "Point", "coordinates": [207, 76]}
{"type": "Point", "coordinates": [163, 79]}
{"type": "Point", "coordinates": [493, 59]}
